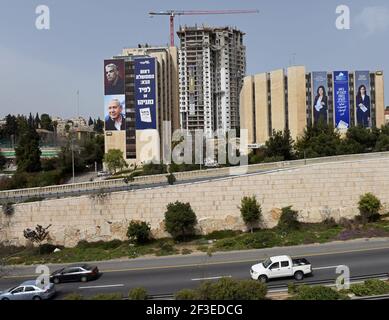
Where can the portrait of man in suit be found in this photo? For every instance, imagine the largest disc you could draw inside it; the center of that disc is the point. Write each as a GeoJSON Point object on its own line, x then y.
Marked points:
{"type": "Point", "coordinates": [114, 83]}
{"type": "Point", "coordinates": [115, 120]}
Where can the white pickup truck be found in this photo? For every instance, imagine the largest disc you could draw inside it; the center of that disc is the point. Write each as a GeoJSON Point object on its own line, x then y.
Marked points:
{"type": "Point", "coordinates": [281, 267]}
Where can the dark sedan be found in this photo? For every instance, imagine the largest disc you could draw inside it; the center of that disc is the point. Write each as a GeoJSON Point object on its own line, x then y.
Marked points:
{"type": "Point", "coordinates": [77, 273]}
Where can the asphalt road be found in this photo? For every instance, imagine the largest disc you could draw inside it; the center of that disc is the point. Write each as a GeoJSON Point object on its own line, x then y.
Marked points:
{"type": "Point", "coordinates": [168, 275]}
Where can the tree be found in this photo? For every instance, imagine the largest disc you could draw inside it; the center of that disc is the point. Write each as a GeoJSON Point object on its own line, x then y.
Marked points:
{"type": "Point", "coordinates": [98, 126]}
{"type": "Point", "coordinates": [250, 211]}
{"type": "Point", "coordinates": [38, 235]}
{"type": "Point", "coordinates": [46, 122]}
{"type": "Point", "coordinates": [288, 220]}
{"type": "Point", "coordinates": [90, 122]}
{"type": "Point", "coordinates": [321, 140]}
{"type": "Point", "coordinates": [360, 140]}
{"type": "Point", "coordinates": [139, 232]}
{"type": "Point", "coordinates": [180, 220]}
{"type": "Point", "coordinates": [280, 145]}
{"type": "Point", "coordinates": [3, 162]}
{"type": "Point", "coordinates": [92, 150]}
{"type": "Point", "coordinates": [114, 160]}
{"type": "Point", "coordinates": [369, 206]}
{"type": "Point", "coordinates": [28, 152]}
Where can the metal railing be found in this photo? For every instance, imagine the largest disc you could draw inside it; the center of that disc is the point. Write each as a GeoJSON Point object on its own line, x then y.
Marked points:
{"type": "Point", "coordinates": [84, 188]}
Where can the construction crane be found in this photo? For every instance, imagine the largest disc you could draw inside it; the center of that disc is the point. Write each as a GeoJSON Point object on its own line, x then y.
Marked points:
{"type": "Point", "coordinates": [173, 13]}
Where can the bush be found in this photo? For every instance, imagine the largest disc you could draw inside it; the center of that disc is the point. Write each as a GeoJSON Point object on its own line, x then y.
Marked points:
{"type": "Point", "coordinates": [166, 248]}
{"type": "Point", "coordinates": [139, 232]}
{"type": "Point", "coordinates": [222, 234]}
{"type": "Point", "coordinates": [48, 248]}
{"type": "Point", "coordinates": [288, 219]}
{"type": "Point", "coordinates": [74, 296]}
{"type": "Point", "coordinates": [108, 296]}
{"type": "Point", "coordinates": [180, 220]}
{"type": "Point", "coordinates": [186, 294]}
{"type": "Point", "coordinates": [369, 206]}
{"type": "Point", "coordinates": [8, 208]}
{"type": "Point", "coordinates": [113, 244]}
{"type": "Point", "coordinates": [250, 211]}
{"type": "Point", "coordinates": [138, 294]}
{"type": "Point", "coordinates": [370, 288]}
{"type": "Point", "coordinates": [186, 251]}
{"type": "Point", "coordinates": [229, 289]}
{"type": "Point", "coordinates": [330, 223]}
{"type": "Point", "coordinates": [317, 293]}
{"type": "Point", "coordinates": [171, 179]}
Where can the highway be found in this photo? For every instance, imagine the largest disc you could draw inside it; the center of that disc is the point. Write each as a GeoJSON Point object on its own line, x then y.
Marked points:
{"type": "Point", "coordinates": [162, 276]}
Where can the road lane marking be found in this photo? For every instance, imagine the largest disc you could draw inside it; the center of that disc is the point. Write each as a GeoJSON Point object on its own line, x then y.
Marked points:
{"type": "Point", "coordinates": [211, 278]}
{"type": "Point", "coordinates": [216, 263]}
{"type": "Point", "coordinates": [100, 287]}
{"type": "Point", "coordinates": [323, 268]}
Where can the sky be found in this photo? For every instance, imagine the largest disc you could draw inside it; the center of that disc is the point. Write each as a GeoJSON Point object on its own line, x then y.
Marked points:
{"type": "Point", "coordinates": [42, 70]}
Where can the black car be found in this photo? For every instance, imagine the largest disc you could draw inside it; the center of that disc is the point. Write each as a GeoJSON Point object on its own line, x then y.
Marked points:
{"type": "Point", "coordinates": [81, 273]}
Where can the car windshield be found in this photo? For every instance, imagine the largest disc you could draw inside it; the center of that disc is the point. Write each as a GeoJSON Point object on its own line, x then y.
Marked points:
{"type": "Point", "coordinates": [267, 262]}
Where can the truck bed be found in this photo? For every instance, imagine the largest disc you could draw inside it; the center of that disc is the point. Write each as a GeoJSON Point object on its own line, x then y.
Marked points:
{"type": "Point", "coordinates": [300, 262]}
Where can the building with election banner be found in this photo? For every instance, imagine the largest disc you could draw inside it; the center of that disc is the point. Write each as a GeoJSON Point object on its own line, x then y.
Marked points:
{"type": "Point", "coordinates": [294, 99]}
{"type": "Point", "coordinates": [148, 101]}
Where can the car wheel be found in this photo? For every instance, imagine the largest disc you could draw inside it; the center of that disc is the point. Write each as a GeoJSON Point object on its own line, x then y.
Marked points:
{"type": "Point", "coordinates": [37, 298]}
{"type": "Point", "coordinates": [84, 279]}
{"type": "Point", "coordinates": [56, 280]}
{"type": "Point", "coordinates": [299, 276]}
{"type": "Point", "coordinates": [262, 279]}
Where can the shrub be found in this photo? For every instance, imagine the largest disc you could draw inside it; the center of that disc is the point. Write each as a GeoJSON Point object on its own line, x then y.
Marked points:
{"type": "Point", "coordinates": [330, 222]}
{"type": "Point", "coordinates": [229, 289]}
{"type": "Point", "coordinates": [369, 206]}
{"type": "Point", "coordinates": [48, 248]}
{"type": "Point", "coordinates": [108, 296]}
{"type": "Point", "coordinates": [139, 232]}
{"type": "Point", "coordinates": [74, 296]}
{"type": "Point", "coordinates": [222, 234]}
{"type": "Point", "coordinates": [138, 294]}
{"type": "Point", "coordinates": [317, 293]}
{"type": "Point", "coordinates": [8, 208]}
{"type": "Point", "coordinates": [171, 179]}
{"type": "Point", "coordinates": [186, 251]}
{"type": "Point", "coordinates": [186, 294]}
{"type": "Point", "coordinates": [250, 211]}
{"type": "Point", "coordinates": [288, 219]}
{"type": "Point", "coordinates": [113, 244]}
{"type": "Point", "coordinates": [370, 288]}
{"type": "Point", "coordinates": [180, 220]}
{"type": "Point", "coordinates": [165, 248]}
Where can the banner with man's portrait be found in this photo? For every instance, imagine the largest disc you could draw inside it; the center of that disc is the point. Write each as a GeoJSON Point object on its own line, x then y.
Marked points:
{"type": "Point", "coordinates": [114, 112]}
{"type": "Point", "coordinates": [114, 73]}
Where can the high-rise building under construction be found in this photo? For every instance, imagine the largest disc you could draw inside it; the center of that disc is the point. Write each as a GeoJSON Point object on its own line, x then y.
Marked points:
{"type": "Point", "coordinates": [212, 65]}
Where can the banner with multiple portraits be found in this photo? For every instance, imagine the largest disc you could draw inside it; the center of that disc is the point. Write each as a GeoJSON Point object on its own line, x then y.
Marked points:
{"type": "Point", "coordinates": [341, 98]}
{"type": "Point", "coordinates": [114, 98]}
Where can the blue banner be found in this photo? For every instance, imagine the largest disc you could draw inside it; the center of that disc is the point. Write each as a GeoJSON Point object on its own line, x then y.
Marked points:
{"type": "Point", "coordinates": [341, 100]}
{"type": "Point", "coordinates": [145, 93]}
{"type": "Point", "coordinates": [362, 99]}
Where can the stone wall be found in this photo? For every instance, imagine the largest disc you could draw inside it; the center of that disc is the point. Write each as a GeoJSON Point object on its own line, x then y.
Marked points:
{"type": "Point", "coordinates": [316, 191]}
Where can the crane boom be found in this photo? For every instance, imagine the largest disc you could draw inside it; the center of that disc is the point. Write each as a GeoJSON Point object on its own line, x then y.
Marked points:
{"type": "Point", "coordinates": [173, 13]}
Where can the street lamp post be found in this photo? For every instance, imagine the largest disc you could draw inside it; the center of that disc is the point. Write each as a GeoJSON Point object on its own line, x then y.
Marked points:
{"type": "Point", "coordinates": [73, 160]}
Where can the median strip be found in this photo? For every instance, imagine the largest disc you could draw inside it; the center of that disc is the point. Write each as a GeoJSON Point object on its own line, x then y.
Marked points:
{"type": "Point", "coordinates": [101, 287]}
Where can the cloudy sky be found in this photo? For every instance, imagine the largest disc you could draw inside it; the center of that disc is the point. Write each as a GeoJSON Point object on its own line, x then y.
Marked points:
{"type": "Point", "coordinates": [43, 69]}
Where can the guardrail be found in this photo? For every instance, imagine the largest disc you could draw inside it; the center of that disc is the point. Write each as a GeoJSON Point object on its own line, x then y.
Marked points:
{"type": "Point", "coordinates": [78, 189]}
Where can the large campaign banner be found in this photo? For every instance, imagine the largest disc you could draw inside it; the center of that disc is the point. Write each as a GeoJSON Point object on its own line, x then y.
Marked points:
{"type": "Point", "coordinates": [114, 95]}
{"type": "Point", "coordinates": [362, 99]}
{"type": "Point", "coordinates": [145, 93]}
{"type": "Point", "coordinates": [341, 100]}
{"type": "Point", "coordinates": [319, 97]}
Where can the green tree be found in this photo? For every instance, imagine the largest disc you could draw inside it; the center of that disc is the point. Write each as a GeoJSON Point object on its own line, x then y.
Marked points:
{"type": "Point", "coordinates": [369, 206]}
{"type": "Point", "coordinates": [3, 162]}
{"type": "Point", "coordinates": [114, 160]}
{"type": "Point", "coordinates": [98, 126]}
{"type": "Point", "coordinates": [289, 219]}
{"type": "Point", "coordinates": [28, 152]}
{"type": "Point", "coordinates": [280, 145]}
{"type": "Point", "coordinates": [92, 150]}
{"type": "Point", "coordinates": [360, 140]}
{"type": "Point", "coordinates": [139, 232]}
{"type": "Point", "coordinates": [180, 220]}
{"type": "Point", "coordinates": [250, 211]}
{"type": "Point", "coordinates": [46, 122]}
{"type": "Point", "coordinates": [321, 140]}
{"type": "Point", "coordinates": [90, 122]}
